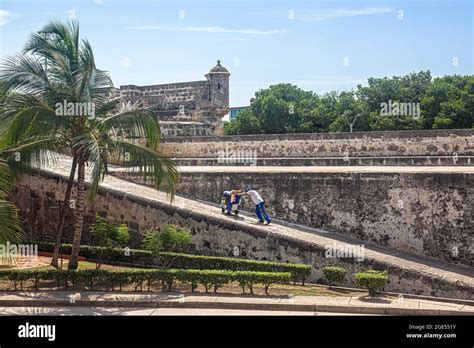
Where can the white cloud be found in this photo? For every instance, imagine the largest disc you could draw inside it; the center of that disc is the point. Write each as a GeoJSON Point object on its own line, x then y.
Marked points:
{"type": "Point", "coordinates": [211, 30]}
{"type": "Point", "coordinates": [126, 62]}
{"type": "Point", "coordinates": [4, 17]}
{"type": "Point", "coordinates": [99, 2]}
{"type": "Point", "coordinates": [340, 13]}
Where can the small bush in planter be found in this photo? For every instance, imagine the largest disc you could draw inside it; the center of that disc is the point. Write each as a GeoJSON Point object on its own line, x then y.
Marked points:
{"type": "Point", "coordinates": [371, 280]}
{"type": "Point", "coordinates": [334, 275]}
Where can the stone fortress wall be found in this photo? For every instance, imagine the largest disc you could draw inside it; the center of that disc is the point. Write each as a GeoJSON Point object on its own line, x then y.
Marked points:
{"type": "Point", "coordinates": [447, 146]}
{"type": "Point", "coordinates": [187, 108]}
{"type": "Point", "coordinates": [37, 199]}
{"type": "Point", "coordinates": [427, 211]}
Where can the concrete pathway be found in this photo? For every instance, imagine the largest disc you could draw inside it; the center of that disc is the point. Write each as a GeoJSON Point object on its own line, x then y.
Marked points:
{"type": "Point", "coordinates": [362, 305]}
{"type": "Point", "coordinates": [154, 312]}
{"type": "Point", "coordinates": [325, 169]}
{"type": "Point", "coordinates": [316, 169]}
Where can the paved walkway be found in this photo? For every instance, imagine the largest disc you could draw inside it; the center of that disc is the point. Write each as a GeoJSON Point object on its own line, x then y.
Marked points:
{"type": "Point", "coordinates": [24, 262]}
{"type": "Point", "coordinates": [363, 305]}
{"type": "Point", "coordinates": [425, 266]}
{"type": "Point", "coordinates": [54, 311]}
{"type": "Point", "coordinates": [323, 169]}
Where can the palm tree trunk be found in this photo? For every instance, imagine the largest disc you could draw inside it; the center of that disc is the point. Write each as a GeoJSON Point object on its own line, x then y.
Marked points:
{"type": "Point", "coordinates": [62, 213]}
{"type": "Point", "coordinates": [80, 209]}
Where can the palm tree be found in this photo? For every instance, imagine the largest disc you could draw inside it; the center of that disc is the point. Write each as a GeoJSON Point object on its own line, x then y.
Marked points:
{"type": "Point", "coordinates": [10, 229]}
{"type": "Point", "coordinates": [55, 66]}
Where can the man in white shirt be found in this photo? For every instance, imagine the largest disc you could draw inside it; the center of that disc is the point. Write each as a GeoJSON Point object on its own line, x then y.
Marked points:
{"type": "Point", "coordinates": [259, 204]}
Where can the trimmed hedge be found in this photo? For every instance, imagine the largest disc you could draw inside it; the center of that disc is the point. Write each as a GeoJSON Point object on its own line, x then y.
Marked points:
{"type": "Point", "coordinates": [299, 272]}
{"type": "Point", "coordinates": [333, 274]}
{"type": "Point", "coordinates": [210, 279]}
{"type": "Point", "coordinates": [372, 280]}
{"type": "Point", "coordinates": [137, 256]}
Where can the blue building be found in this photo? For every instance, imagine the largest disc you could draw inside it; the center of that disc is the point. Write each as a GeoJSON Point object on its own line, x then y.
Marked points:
{"type": "Point", "coordinates": [234, 111]}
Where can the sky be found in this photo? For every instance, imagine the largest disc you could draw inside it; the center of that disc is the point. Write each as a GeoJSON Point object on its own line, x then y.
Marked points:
{"type": "Point", "coordinates": [316, 45]}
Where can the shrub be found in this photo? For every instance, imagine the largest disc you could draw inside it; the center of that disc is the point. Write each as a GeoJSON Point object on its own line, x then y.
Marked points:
{"type": "Point", "coordinates": [273, 278]}
{"type": "Point", "coordinates": [18, 277]}
{"type": "Point", "coordinates": [169, 238]}
{"type": "Point", "coordinates": [137, 278]}
{"type": "Point", "coordinates": [299, 272]}
{"type": "Point", "coordinates": [210, 279]}
{"type": "Point", "coordinates": [114, 255]}
{"type": "Point", "coordinates": [91, 276]}
{"type": "Point", "coordinates": [372, 280]}
{"type": "Point", "coordinates": [249, 279]}
{"type": "Point", "coordinates": [120, 278]}
{"type": "Point", "coordinates": [334, 275]}
{"type": "Point", "coordinates": [109, 236]}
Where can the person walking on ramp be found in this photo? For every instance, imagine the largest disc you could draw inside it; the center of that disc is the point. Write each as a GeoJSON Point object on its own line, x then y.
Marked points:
{"type": "Point", "coordinates": [259, 204]}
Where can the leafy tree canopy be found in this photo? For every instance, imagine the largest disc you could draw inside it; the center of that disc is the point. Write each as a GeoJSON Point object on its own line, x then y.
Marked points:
{"type": "Point", "coordinates": [414, 101]}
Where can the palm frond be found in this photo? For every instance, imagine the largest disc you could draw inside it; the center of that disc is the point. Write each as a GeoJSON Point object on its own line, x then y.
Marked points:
{"type": "Point", "coordinates": [133, 122]}
{"type": "Point", "coordinates": [5, 179]}
{"type": "Point", "coordinates": [150, 163]}
{"type": "Point", "coordinates": [24, 117]}
{"type": "Point", "coordinates": [10, 229]}
{"type": "Point", "coordinates": [25, 74]}
{"type": "Point", "coordinates": [35, 153]}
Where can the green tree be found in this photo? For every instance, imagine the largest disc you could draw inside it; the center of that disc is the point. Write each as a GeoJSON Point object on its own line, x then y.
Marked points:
{"type": "Point", "coordinates": [169, 238]}
{"type": "Point", "coordinates": [349, 110]}
{"type": "Point", "coordinates": [449, 103]}
{"type": "Point", "coordinates": [398, 89]}
{"type": "Point", "coordinates": [319, 117]}
{"type": "Point", "coordinates": [10, 229]}
{"type": "Point", "coordinates": [446, 102]}
{"type": "Point", "coordinates": [408, 88]}
{"type": "Point", "coordinates": [109, 236]}
{"type": "Point", "coordinates": [54, 66]}
{"type": "Point", "coordinates": [280, 108]}
{"type": "Point", "coordinates": [245, 123]}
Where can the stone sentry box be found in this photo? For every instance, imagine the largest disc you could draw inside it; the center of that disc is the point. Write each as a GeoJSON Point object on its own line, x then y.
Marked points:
{"type": "Point", "coordinates": [191, 108]}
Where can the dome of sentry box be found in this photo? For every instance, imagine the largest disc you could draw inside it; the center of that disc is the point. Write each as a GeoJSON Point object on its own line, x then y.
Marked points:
{"type": "Point", "coordinates": [218, 69]}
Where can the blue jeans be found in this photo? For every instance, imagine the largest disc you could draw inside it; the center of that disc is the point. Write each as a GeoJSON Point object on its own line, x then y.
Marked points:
{"type": "Point", "coordinates": [260, 210]}
{"type": "Point", "coordinates": [229, 206]}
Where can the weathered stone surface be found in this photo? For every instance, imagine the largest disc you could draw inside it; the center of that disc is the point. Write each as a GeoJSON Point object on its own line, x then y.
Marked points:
{"type": "Point", "coordinates": [446, 142]}
{"type": "Point", "coordinates": [424, 210]}
{"type": "Point", "coordinates": [213, 233]}
{"type": "Point", "coordinates": [187, 108]}
{"type": "Point", "coordinates": [443, 160]}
